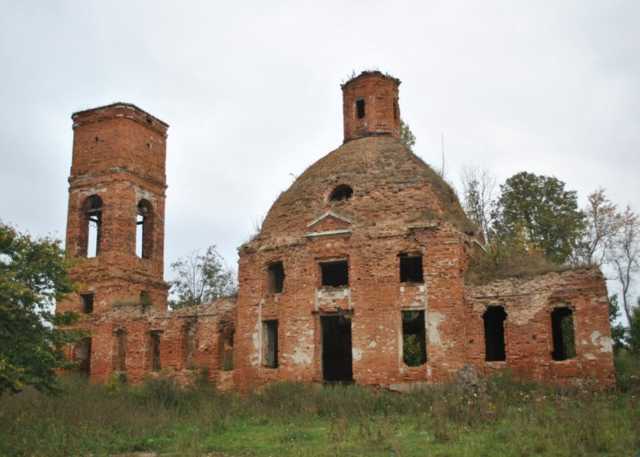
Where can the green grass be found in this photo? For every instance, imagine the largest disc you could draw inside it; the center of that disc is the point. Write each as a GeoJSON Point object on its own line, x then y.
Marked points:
{"type": "Point", "coordinates": [498, 417]}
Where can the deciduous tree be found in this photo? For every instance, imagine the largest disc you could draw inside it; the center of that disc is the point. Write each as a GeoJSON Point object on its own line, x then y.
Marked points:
{"type": "Point", "coordinates": [33, 277]}
{"type": "Point", "coordinates": [200, 278]}
{"type": "Point", "coordinates": [624, 256]}
{"type": "Point", "coordinates": [546, 211]}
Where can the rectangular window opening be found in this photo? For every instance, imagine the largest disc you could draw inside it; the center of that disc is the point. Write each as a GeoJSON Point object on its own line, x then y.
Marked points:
{"type": "Point", "coordinates": [411, 268]}
{"type": "Point", "coordinates": [154, 340]}
{"type": "Point", "coordinates": [276, 277]}
{"type": "Point", "coordinates": [335, 273]}
{"type": "Point", "coordinates": [564, 346]}
{"type": "Point", "coordinates": [270, 343]}
{"type": "Point", "coordinates": [188, 344]}
{"type": "Point", "coordinates": [360, 108]}
{"type": "Point", "coordinates": [226, 349]}
{"type": "Point", "coordinates": [414, 341]}
{"type": "Point", "coordinates": [82, 356]}
{"type": "Point", "coordinates": [87, 303]}
{"type": "Point", "coordinates": [494, 319]}
{"type": "Point", "coordinates": [145, 300]}
{"type": "Point", "coordinates": [120, 351]}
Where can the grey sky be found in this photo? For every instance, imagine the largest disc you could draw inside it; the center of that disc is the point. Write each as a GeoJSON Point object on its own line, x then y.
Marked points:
{"type": "Point", "coordinates": [252, 93]}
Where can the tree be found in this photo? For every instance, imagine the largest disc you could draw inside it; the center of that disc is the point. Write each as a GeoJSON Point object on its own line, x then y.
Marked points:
{"type": "Point", "coordinates": [634, 330]}
{"type": "Point", "coordinates": [33, 277]}
{"type": "Point", "coordinates": [478, 186]}
{"type": "Point", "coordinates": [200, 278]}
{"type": "Point", "coordinates": [602, 224]}
{"type": "Point", "coordinates": [406, 135]}
{"type": "Point", "coordinates": [546, 212]}
{"type": "Point", "coordinates": [624, 256]}
{"type": "Point", "coordinates": [618, 332]}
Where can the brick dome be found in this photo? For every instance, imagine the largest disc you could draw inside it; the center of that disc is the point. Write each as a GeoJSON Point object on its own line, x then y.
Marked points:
{"type": "Point", "coordinates": [391, 189]}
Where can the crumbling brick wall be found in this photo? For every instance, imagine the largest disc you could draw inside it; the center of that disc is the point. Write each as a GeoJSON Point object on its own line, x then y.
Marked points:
{"type": "Point", "coordinates": [207, 322]}
{"type": "Point", "coordinates": [528, 327]}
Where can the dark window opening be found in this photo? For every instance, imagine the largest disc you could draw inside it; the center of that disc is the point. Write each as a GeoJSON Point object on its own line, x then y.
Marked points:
{"type": "Point", "coordinates": [82, 356]}
{"type": "Point", "coordinates": [360, 108]}
{"type": "Point", "coordinates": [337, 363]}
{"type": "Point", "coordinates": [276, 277]}
{"type": "Point", "coordinates": [144, 230]}
{"type": "Point", "coordinates": [90, 237]}
{"type": "Point", "coordinates": [340, 193]}
{"type": "Point", "coordinates": [188, 343]}
{"type": "Point", "coordinates": [414, 341]}
{"type": "Point", "coordinates": [120, 351]}
{"type": "Point", "coordinates": [335, 273]}
{"type": "Point", "coordinates": [494, 346]}
{"type": "Point", "coordinates": [395, 110]}
{"type": "Point", "coordinates": [87, 303]}
{"type": "Point", "coordinates": [564, 345]}
{"type": "Point", "coordinates": [411, 268]}
{"type": "Point", "coordinates": [145, 300]}
{"type": "Point", "coordinates": [226, 348]}
{"type": "Point", "coordinates": [154, 341]}
{"type": "Point", "coordinates": [270, 344]}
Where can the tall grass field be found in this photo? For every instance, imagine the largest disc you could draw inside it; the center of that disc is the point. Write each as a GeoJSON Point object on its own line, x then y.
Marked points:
{"type": "Point", "coordinates": [492, 418]}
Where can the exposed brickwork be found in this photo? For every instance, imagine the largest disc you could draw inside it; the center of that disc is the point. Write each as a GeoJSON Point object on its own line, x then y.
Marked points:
{"type": "Point", "coordinates": [380, 111]}
{"type": "Point", "coordinates": [394, 206]}
{"type": "Point", "coordinates": [529, 345]}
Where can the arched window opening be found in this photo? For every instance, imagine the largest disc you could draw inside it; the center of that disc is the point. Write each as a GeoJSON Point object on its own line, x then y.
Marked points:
{"type": "Point", "coordinates": [92, 227]}
{"type": "Point", "coordinates": [341, 193]}
{"type": "Point", "coordinates": [564, 341]}
{"type": "Point", "coordinates": [360, 108]}
{"type": "Point", "coordinates": [494, 346]}
{"type": "Point", "coordinates": [144, 230]}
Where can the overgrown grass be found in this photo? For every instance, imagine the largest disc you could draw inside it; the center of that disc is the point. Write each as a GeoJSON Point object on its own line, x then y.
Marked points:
{"type": "Point", "coordinates": [498, 417]}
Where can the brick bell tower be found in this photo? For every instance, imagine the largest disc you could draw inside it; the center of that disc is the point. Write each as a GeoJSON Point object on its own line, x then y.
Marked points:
{"type": "Point", "coordinates": [115, 221]}
{"type": "Point", "coordinates": [370, 106]}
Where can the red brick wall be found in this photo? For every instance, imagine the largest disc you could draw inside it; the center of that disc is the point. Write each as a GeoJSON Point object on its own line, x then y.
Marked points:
{"type": "Point", "coordinates": [119, 154]}
{"type": "Point", "coordinates": [529, 343]}
{"type": "Point", "coordinates": [382, 113]}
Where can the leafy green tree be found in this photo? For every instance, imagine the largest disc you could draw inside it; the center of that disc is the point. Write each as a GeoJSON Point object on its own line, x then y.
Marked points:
{"type": "Point", "coordinates": [547, 213]}
{"type": "Point", "coordinates": [406, 135]}
{"type": "Point", "coordinates": [200, 279]}
{"type": "Point", "coordinates": [33, 277]}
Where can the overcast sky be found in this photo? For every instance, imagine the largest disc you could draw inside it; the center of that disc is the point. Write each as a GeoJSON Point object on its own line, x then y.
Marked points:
{"type": "Point", "coordinates": [251, 91]}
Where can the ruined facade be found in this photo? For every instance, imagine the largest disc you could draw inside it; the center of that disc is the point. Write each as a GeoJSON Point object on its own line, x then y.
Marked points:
{"type": "Point", "coordinates": [357, 274]}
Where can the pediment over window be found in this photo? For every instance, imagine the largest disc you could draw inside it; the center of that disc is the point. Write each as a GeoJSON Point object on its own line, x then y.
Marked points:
{"type": "Point", "coordinates": [328, 224]}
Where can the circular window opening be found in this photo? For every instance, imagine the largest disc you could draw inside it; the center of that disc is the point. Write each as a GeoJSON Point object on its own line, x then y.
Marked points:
{"type": "Point", "coordinates": [340, 193]}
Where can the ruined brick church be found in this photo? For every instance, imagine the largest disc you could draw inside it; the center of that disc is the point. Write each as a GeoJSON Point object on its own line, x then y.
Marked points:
{"type": "Point", "coordinates": [357, 274]}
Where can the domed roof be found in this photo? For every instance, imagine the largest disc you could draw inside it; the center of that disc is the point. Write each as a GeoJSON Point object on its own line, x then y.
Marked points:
{"type": "Point", "coordinates": [391, 189]}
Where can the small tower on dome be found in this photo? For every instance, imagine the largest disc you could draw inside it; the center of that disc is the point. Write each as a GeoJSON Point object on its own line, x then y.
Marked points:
{"type": "Point", "coordinates": [370, 106]}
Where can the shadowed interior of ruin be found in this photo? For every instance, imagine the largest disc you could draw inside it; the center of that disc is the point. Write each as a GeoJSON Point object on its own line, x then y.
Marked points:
{"type": "Point", "coordinates": [414, 342]}
{"type": "Point", "coordinates": [494, 319]}
{"type": "Point", "coordinates": [563, 334]}
{"type": "Point", "coordinates": [335, 273]}
{"type": "Point", "coordinates": [336, 349]}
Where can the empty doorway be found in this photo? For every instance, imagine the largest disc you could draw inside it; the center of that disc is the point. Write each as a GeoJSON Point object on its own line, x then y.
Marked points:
{"type": "Point", "coordinates": [336, 349]}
